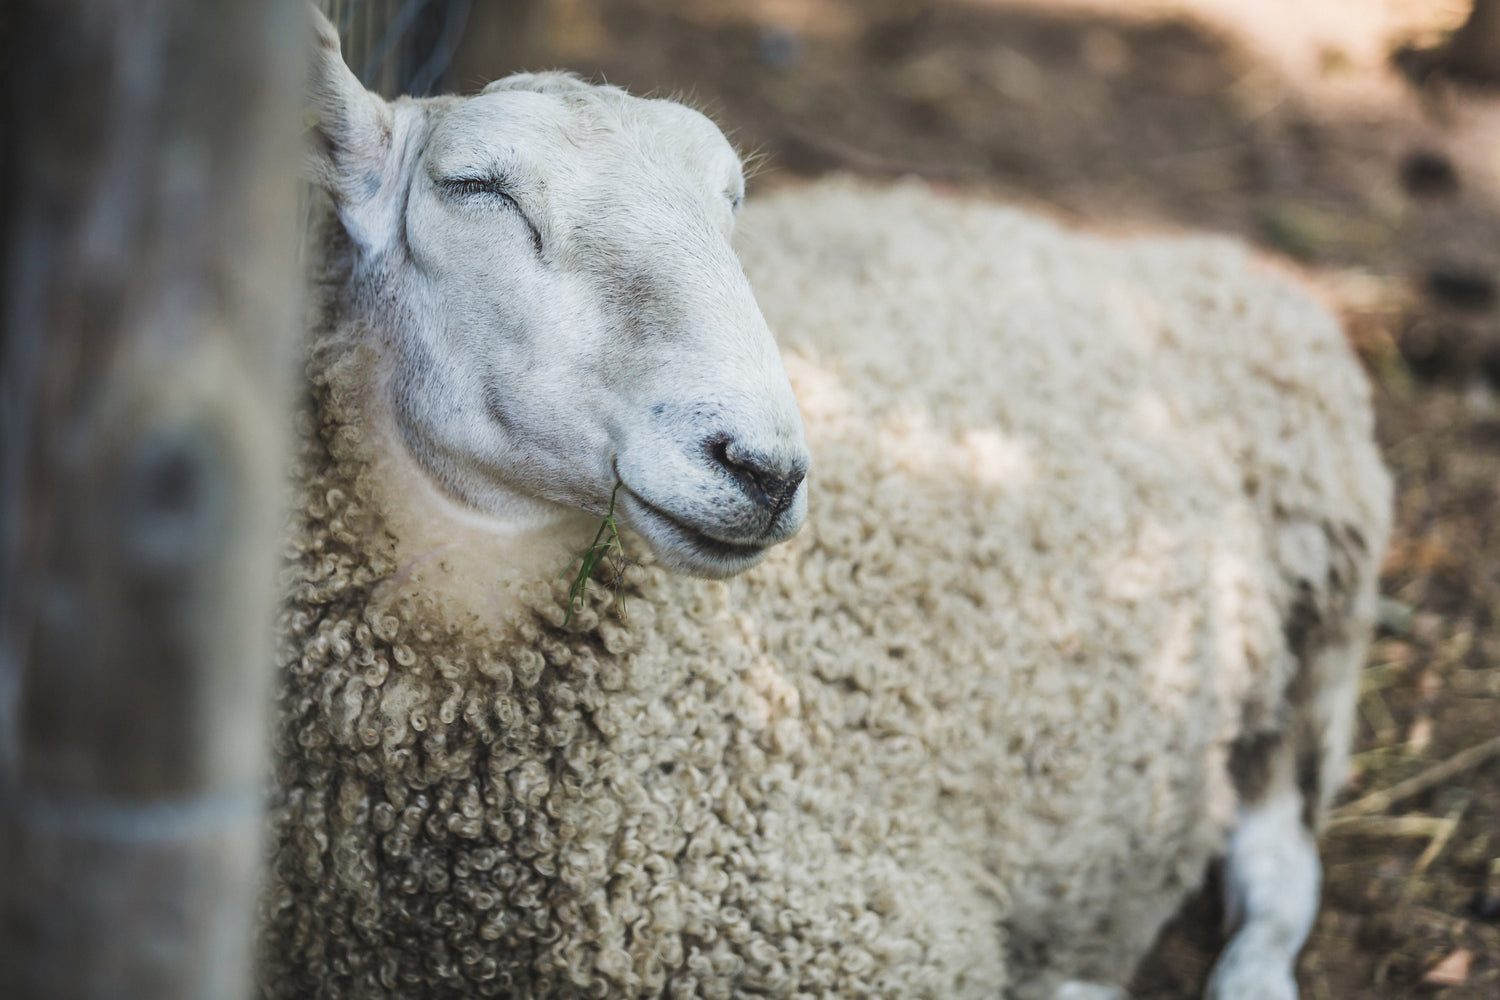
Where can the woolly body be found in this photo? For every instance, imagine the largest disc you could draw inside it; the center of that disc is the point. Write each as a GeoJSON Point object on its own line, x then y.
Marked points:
{"type": "Point", "coordinates": [1091, 544]}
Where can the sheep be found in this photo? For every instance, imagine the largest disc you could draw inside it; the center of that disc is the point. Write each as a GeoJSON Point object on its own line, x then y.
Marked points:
{"type": "Point", "coordinates": [1085, 569]}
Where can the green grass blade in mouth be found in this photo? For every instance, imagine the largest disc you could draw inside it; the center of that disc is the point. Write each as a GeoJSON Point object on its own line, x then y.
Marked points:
{"type": "Point", "coordinates": [606, 540]}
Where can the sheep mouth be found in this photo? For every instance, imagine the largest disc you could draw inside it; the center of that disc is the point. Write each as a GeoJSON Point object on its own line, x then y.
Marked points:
{"type": "Point", "coordinates": [685, 547]}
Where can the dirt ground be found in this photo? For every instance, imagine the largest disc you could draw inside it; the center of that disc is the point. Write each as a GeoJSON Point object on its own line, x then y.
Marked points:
{"type": "Point", "coordinates": [1307, 128]}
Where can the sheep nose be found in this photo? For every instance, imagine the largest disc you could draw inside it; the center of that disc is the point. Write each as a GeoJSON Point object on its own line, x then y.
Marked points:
{"type": "Point", "coordinates": [769, 483]}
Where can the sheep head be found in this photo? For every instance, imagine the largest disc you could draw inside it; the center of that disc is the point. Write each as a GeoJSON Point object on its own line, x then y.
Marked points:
{"type": "Point", "coordinates": [547, 269]}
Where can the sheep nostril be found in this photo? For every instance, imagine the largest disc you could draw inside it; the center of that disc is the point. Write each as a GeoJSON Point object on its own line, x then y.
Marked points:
{"type": "Point", "coordinates": [768, 484]}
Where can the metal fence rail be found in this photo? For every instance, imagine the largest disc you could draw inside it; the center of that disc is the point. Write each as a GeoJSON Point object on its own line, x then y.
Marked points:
{"type": "Point", "coordinates": [399, 46]}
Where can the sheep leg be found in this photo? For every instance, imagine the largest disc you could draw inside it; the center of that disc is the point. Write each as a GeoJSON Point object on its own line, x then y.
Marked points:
{"type": "Point", "coordinates": [1271, 876]}
{"type": "Point", "coordinates": [1077, 989]}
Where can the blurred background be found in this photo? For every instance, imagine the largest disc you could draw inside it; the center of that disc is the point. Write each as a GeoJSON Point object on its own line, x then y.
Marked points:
{"type": "Point", "coordinates": [146, 168]}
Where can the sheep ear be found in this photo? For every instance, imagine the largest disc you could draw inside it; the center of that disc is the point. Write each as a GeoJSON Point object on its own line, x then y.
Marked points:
{"type": "Point", "coordinates": [350, 152]}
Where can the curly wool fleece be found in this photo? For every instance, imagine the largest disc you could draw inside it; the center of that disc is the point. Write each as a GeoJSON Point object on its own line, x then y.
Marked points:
{"type": "Point", "coordinates": [970, 732]}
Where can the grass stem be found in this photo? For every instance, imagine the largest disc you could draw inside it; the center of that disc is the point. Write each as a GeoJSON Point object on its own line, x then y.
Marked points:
{"type": "Point", "coordinates": [606, 540]}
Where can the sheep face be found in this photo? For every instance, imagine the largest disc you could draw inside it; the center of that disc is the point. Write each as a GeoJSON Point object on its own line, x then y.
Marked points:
{"type": "Point", "coordinates": [560, 310]}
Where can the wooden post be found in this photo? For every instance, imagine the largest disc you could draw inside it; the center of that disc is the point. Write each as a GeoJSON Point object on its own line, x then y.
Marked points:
{"type": "Point", "coordinates": [149, 302]}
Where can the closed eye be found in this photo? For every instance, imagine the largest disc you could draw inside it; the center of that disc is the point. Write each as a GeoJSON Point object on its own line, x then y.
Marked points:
{"type": "Point", "coordinates": [475, 185]}
{"type": "Point", "coordinates": [490, 188]}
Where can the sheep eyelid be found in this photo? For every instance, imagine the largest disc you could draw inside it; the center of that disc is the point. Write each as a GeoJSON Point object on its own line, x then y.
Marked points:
{"type": "Point", "coordinates": [493, 187]}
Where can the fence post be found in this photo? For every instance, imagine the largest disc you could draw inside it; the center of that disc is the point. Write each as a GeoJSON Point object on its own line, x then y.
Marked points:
{"type": "Point", "coordinates": [149, 301]}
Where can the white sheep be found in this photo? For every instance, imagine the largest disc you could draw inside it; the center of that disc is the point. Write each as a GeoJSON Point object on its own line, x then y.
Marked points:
{"type": "Point", "coordinates": [1087, 572]}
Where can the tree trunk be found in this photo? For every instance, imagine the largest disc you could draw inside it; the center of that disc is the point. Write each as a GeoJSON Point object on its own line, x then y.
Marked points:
{"type": "Point", "coordinates": [149, 302]}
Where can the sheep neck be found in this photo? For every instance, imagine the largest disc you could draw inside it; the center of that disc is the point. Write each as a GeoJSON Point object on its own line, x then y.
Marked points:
{"type": "Point", "coordinates": [411, 538]}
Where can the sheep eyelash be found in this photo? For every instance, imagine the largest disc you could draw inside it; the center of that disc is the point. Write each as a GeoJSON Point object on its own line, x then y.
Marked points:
{"type": "Point", "coordinates": [494, 187]}
{"type": "Point", "coordinates": [475, 185]}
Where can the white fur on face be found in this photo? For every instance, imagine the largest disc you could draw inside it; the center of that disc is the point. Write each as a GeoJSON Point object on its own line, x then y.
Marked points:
{"type": "Point", "coordinates": [563, 312]}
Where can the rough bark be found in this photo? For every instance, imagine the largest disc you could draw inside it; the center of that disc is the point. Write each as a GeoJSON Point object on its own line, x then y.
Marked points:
{"type": "Point", "coordinates": [149, 305]}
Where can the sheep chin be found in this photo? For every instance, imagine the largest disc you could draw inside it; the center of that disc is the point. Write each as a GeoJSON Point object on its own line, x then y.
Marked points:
{"type": "Point", "coordinates": [684, 549]}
